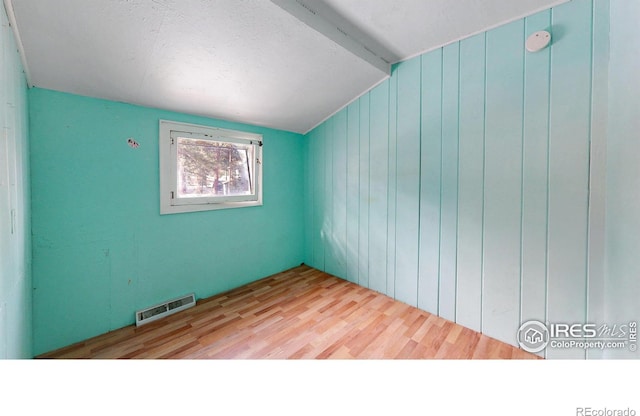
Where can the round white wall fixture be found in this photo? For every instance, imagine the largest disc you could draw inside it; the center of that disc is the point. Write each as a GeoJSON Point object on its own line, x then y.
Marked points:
{"type": "Point", "coordinates": [538, 41]}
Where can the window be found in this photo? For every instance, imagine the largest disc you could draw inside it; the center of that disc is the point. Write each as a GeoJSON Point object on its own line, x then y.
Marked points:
{"type": "Point", "coordinates": [204, 168]}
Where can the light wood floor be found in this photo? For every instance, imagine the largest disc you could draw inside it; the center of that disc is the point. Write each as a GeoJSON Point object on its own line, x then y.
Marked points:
{"type": "Point", "coordinates": [299, 313]}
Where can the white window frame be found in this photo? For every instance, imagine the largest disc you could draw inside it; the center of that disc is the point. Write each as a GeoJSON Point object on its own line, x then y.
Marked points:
{"type": "Point", "coordinates": [170, 203]}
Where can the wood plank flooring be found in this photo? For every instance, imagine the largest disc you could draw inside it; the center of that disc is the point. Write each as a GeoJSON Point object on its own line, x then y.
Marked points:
{"type": "Point", "coordinates": [301, 313]}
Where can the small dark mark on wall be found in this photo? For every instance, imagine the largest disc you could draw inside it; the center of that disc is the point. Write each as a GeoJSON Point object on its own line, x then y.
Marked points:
{"type": "Point", "coordinates": [132, 143]}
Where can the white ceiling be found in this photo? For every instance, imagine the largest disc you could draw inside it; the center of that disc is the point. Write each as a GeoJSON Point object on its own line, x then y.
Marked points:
{"type": "Point", "coordinates": [250, 61]}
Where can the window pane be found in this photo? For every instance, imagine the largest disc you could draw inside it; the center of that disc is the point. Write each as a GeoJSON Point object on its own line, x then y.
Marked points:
{"type": "Point", "coordinates": [209, 168]}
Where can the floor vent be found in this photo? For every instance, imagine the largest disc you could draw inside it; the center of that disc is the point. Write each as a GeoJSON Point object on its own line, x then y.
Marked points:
{"type": "Point", "coordinates": [167, 308]}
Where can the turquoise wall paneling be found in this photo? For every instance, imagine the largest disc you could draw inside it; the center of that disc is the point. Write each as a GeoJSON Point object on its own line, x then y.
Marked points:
{"type": "Point", "coordinates": [392, 190]}
{"type": "Point", "coordinates": [408, 182]}
{"type": "Point", "coordinates": [597, 168]}
{"type": "Point", "coordinates": [364, 191]}
{"type": "Point", "coordinates": [330, 246]}
{"type": "Point", "coordinates": [102, 250]}
{"type": "Point", "coordinates": [474, 175]}
{"type": "Point", "coordinates": [317, 144]}
{"type": "Point", "coordinates": [502, 183]}
{"type": "Point", "coordinates": [470, 182]}
{"type": "Point", "coordinates": [353, 191]}
{"type": "Point", "coordinates": [449, 181]}
{"type": "Point", "coordinates": [622, 286]}
{"type": "Point", "coordinates": [598, 157]}
{"type": "Point", "coordinates": [537, 78]}
{"type": "Point", "coordinates": [378, 186]}
{"type": "Point", "coordinates": [430, 181]}
{"type": "Point", "coordinates": [339, 223]}
{"type": "Point", "coordinates": [309, 178]}
{"type": "Point", "coordinates": [15, 217]}
{"type": "Point", "coordinates": [570, 101]}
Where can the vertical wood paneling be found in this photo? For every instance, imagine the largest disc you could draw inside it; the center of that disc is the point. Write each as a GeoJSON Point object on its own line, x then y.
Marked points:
{"type": "Point", "coordinates": [8, 255]}
{"type": "Point", "coordinates": [339, 233]}
{"type": "Point", "coordinates": [534, 181]}
{"type": "Point", "coordinates": [16, 285]}
{"type": "Point", "coordinates": [378, 186]}
{"type": "Point", "coordinates": [317, 141]}
{"type": "Point", "coordinates": [470, 190]}
{"type": "Point", "coordinates": [309, 176]}
{"type": "Point", "coordinates": [339, 223]}
{"type": "Point", "coordinates": [408, 182]}
{"type": "Point", "coordinates": [463, 184]}
{"type": "Point", "coordinates": [327, 223]}
{"type": "Point", "coordinates": [7, 159]}
{"type": "Point", "coordinates": [449, 193]}
{"type": "Point", "coordinates": [353, 190]}
{"type": "Point", "coordinates": [431, 163]}
{"type": "Point", "coordinates": [569, 168]}
{"type": "Point", "coordinates": [364, 202]}
{"type": "Point", "coordinates": [622, 237]}
{"type": "Point", "coordinates": [502, 198]}
{"type": "Point", "coordinates": [391, 199]}
{"type": "Point", "coordinates": [598, 167]}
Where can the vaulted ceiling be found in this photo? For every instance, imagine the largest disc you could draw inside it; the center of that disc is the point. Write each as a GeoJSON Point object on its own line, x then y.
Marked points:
{"type": "Point", "coordinates": [285, 64]}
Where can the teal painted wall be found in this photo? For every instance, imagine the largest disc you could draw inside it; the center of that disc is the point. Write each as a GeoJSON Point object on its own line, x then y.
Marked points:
{"type": "Point", "coordinates": [461, 184]}
{"type": "Point", "coordinates": [15, 228]}
{"type": "Point", "coordinates": [623, 170]}
{"type": "Point", "coordinates": [101, 250]}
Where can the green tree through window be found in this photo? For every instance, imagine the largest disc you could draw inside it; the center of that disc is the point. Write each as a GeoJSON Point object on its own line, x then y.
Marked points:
{"type": "Point", "coordinates": [207, 167]}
